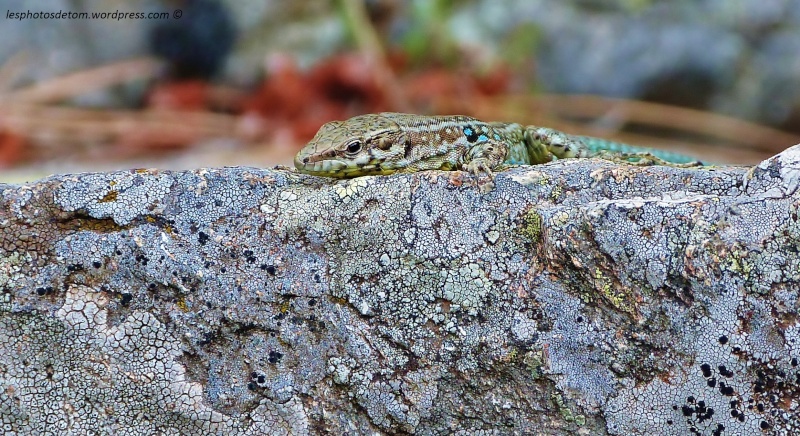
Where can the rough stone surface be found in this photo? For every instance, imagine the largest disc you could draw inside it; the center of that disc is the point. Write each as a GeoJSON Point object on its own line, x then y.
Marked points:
{"type": "Point", "coordinates": [578, 297]}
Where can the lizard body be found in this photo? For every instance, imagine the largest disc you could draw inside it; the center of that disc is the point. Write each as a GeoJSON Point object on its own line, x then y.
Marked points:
{"type": "Point", "coordinates": [393, 142]}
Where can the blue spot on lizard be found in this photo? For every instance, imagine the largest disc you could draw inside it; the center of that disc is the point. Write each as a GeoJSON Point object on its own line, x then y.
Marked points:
{"type": "Point", "coordinates": [472, 136]}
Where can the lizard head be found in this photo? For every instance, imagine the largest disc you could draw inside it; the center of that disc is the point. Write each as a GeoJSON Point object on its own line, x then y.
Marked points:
{"type": "Point", "coordinates": [362, 145]}
{"type": "Point", "coordinates": [558, 143]}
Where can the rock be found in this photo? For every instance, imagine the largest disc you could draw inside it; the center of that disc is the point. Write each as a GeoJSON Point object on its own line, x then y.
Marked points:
{"type": "Point", "coordinates": [578, 297]}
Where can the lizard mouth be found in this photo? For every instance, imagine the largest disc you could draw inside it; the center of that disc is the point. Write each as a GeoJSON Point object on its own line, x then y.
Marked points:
{"type": "Point", "coordinates": [306, 164]}
{"type": "Point", "coordinates": [337, 168]}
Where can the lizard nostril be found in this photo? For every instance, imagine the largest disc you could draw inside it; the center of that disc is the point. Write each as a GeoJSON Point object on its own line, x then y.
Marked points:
{"type": "Point", "coordinates": [305, 160]}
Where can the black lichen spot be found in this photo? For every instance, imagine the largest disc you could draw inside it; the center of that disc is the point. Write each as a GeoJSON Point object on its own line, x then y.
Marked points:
{"type": "Point", "coordinates": [725, 372]}
{"type": "Point", "coordinates": [726, 390]}
{"type": "Point", "coordinates": [699, 410]}
{"type": "Point", "coordinates": [205, 338]}
{"type": "Point", "coordinates": [261, 379]}
{"type": "Point", "coordinates": [703, 412]}
{"type": "Point", "coordinates": [223, 270]}
{"type": "Point", "coordinates": [579, 319]}
{"type": "Point", "coordinates": [312, 302]}
{"type": "Point", "coordinates": [794, 361]}
{"type": "Point", "coordinates": [706, 368]}
{"type": "Point", "coordinates": [41, 291]}
{"type": "Point", "coordinates": [126, 299]}
{"type": "Point", "coordinates": [765, 425]}
{"type": "Point", "coordinates": [718, 431]}
{"type": "Point", "coordinates": [712, 382]}
{"type": "Point", "coordinates": [251, 386]}
{"type": "Point", "coordinates": [249, 256]}
{"type": "Point", "coordinates": [202, 238]}
{"type": "Point", "coordinates": [723, 339]}
{"type": "Point", "coordinates": [96, 264]}
{"type": "Point", "coordinates": [317, 278]}
{"type": "Point", "coordinates": [274, 357]}
{"type": "Point", "coordinates": [75, 267]}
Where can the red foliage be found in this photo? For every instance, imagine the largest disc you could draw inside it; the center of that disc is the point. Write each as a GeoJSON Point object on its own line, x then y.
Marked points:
{"type": "Point", "coordinates": [338, 88]}
{"type": "Point", "coordinates": [346, 85]}
{"type": "Point", "coordinates": [291, 103]}
{"type": "Point", "coordinates": [190, 95]}
{"type": "Point", "coordinates": [11, 147]}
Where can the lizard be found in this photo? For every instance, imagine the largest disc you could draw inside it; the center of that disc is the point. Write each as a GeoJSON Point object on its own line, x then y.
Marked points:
{"type": "Point", "coordinates": [391, 142]}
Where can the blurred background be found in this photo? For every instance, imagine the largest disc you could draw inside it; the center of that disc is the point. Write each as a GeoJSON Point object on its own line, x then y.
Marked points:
{"type": "Point", "coordinates": [201, 83]}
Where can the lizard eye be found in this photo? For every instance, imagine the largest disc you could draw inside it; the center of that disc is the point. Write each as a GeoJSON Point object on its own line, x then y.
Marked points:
{"type": "Point", "coordinates": [354, 147]}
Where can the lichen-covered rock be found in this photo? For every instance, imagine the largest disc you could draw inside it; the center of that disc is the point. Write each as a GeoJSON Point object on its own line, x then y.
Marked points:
{"type": "Point", "coordinates": [578, 297]}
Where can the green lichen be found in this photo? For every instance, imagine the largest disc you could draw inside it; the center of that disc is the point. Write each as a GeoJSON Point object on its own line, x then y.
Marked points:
{"type": "Point", "coordinates": [619, 297]}
{"type": "Point", "coordinates": [565, 411]}
{"type": "Point", "coordinates": [534, 362]}
{"type": "Point", "coordinates": [557, 192]}
{"type": "Point", "coordinates": [738, 261]}
{"type": "Point", "coordinates": [111, 196]}
{"type": "Point", "coordinates": [532, 226]}
{"type": "Point", "coordinates": [9, 268]}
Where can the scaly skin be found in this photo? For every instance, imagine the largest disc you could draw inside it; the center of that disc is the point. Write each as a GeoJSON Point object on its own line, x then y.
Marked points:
{"type": "Point", "coordinates": [392, 142]}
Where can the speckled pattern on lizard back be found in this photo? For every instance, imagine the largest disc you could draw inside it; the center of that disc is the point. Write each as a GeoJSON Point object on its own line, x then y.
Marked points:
{"type": "Point", "coordinates": [392, 142]}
